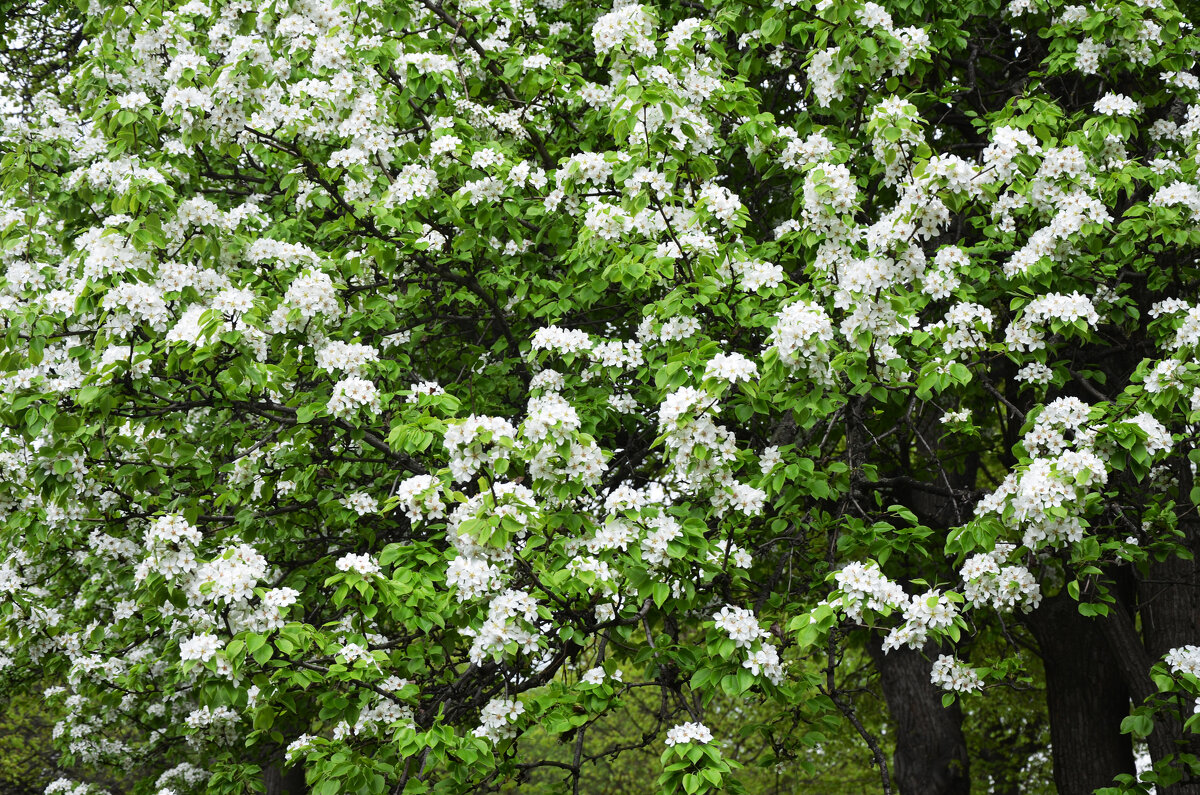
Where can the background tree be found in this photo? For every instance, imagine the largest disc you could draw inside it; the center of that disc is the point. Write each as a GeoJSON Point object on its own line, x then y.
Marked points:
{"type": "Point", "coordinates": [454, 396]}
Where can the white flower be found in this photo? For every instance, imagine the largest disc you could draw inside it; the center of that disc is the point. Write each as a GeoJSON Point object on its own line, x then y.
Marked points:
{"type": "Point", "coordinates": [350, 394]}
{"type": "Point", "coordinates": [497, 719]}
{"type": "Point", "coordinates": [364, 565]}
{"type": "Point", "coordinates": [951, 674]}
{"type": "Point", "coordinates": [732, 367]}
{"type": "Point", "coordinates": [740, 624]}
{"type": "Point", "coordinates": [299, 746]}
{"type": "Point", "coordinates": [1116, 105]}
{"type": "Point", "coordinates": [689, 733]}
{"type": "Point", "coordinates": [199, 647]}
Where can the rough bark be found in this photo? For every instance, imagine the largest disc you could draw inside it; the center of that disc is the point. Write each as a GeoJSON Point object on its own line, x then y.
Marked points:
{"type": "Point", "coordinates": [1168, 597]}
{"type": "Point", "coordinates": [931, 752]}
{"type": "Point", "coordinates": [1086, 697]}
{"type": "Point", "coordinates": [284, 781]}
{"type": "Point", "coordinates": [1134, 663]}
{"type": "Point", "coordinates": [931, 756]}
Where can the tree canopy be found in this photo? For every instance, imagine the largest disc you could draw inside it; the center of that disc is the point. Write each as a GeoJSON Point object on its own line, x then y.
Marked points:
{"type": "Point", "coordinates": [481, 395]}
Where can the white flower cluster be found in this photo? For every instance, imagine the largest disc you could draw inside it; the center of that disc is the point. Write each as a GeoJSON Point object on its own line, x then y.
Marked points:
{"type": "Point", "coordinates": [361, 503]}
{"type": "Point", "coordinates": [765, 661]}
{"type": "Point", "coordinates": [1113, 104]}
{"type": "Point", "coordinates": [680, 327]}
{"type": "Point", "coordinates": [830, 199]}
{"type": "Point", "coordinates": [1158, 438]}
{"type": "Point", "coordinates": [1178, 193]}
{"type": "Point", "coordinates": [301, 745]}
{"type": "Point", "coordinates": [1188, 334]}
{"type": "Point", "coordinates": [345, 357]}
{"type": "Point", "coordinates": [478, 442]}
{"type": "Point", "coordinates": [943, 279]}
{"type": "Point", "coordinates": [824, 76]}
{"type": "Point", "coordinates": [416, 181]}
{"type": "Point", "coordinates": [579, 460]}
{"type": "Point", "coordinates": [802, 336]}
{"type": "Point", "coordinates": [1075, 210]}
{"type": "Point", "coordinates": [1184, 660]}
{"type": "Point", "coordinates": [382, 714]}
{"type": "Point", "coordinates": [963, 328]}
{"type": "Point", "coordinates": [702, 451]}
{"type": "Point", "coordinates": [741, 497]}
{"type": "Point", "coordinates": [827, 68]}
{"type": "Point", "coordinates": [1024, 334]}
{"type": "Point", "coordinates": [170, 546]}
{"type": "Point", "coordinates": [421, 498]}
{"type": "Point", "coordinates": [351, 394]}
{"type": "Point", "coordinates": [143, 303]}
{"type": "Point", "coordinates": [731, 367]}
{"type": "Point", "coordinates": [266, 616]}
{"type": "Point", "coordinates": [1035, 373]}
{"type": "Point", "coordinates": [740, 624]}
{"type": "Point", "coordinates": [229, 578]}
{"type": "Point", "coordinates": [953, 417]}
{"type": "Point", "coordinates": [663, 530]}
{"type": "Point", "coordinates": [949, 673]}
{"type": "Point", "coordinates": [989, 580]}
{"type": "Point", "coordinates": [511, 618]}
{"type": "Point", "coordinates": [309, 295]}
{"type": "Point", "coordinates": [66, 786]}
{"type": "Point", "coordinates": [1067, 309]}
{"type": "Point", "coordinates": [615, 533]}
{"type": "Point", "coordinates": [1166, 374]}
{"type": "Point", "coordinates": [606, 221]}
{"type": "Point", "coordinates": [108, 252]}
{"type": "Point", "coordinates": [1059, 476]}
{"type": "Point", "coordinates": [721, 202]}
{"type": "Point", "coordinates": [569, 342]}
{"type": "Point", "coordinates": [363, 564]}
{"type": "Point", "coordinates": [503, 500]}
{"type": "Point", "coordinates": [617, 353]}
{"type": "Point", "coordinates": [895, 135]}
{"type": "Point", "coordinates": [742, 628]}
{"type": "Point", "coordinates": [199, 647]}
{"type": "Point", "coordinates": [498, 719]}
{"type": "Point", "coordinates": [550, 415]}
{"type": "Point", "coordinates": [932, 610]}
{"type": "Point", "coordinates": [689, 733]}
{"type": "Point", "coordinates": [630, 26]}
{"type": "Point", "coordinates": [755, 274]}
{"type": "Point", "coordinates": [219, 724]}
{"type": "Point", "coordinates": [597, 675]}
{"type": "Point", "coordinates": [472, 576]}
{"type": "Point", "coordinates": [864, 587]}
{"type": "Point", "coordinates": [1007, 143]}
{"type": "Point", "coordinates": [184, 775]}
{"type": "Point", "coordinates": [799, 152]}
{"type": "Point", "coordinates": [424, 388]}
{"type": "Point", "coordinates": [1089, 54]}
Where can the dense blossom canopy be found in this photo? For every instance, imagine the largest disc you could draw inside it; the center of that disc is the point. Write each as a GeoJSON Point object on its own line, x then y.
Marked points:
{"type": "Point", "coordinates": [385, 381]}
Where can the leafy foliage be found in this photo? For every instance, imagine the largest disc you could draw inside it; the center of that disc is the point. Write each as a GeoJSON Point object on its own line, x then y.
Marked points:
{"type": "Point", "coordinates": [403, 392]}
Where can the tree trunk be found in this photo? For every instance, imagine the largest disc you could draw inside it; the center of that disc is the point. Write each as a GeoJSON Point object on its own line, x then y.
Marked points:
{"type": "Point", "coordinates": [1168, 597]}
{"type": "Point", "coordinates": [931, 753]}
{"type": "Point", "coordinates": [1086, 697]}
{"type": "Point", "coordinates": [284, 781]}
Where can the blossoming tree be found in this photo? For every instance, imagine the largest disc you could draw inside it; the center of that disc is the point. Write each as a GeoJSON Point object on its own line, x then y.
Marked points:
{"type": "Point", "coordinates": [386, 381]}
